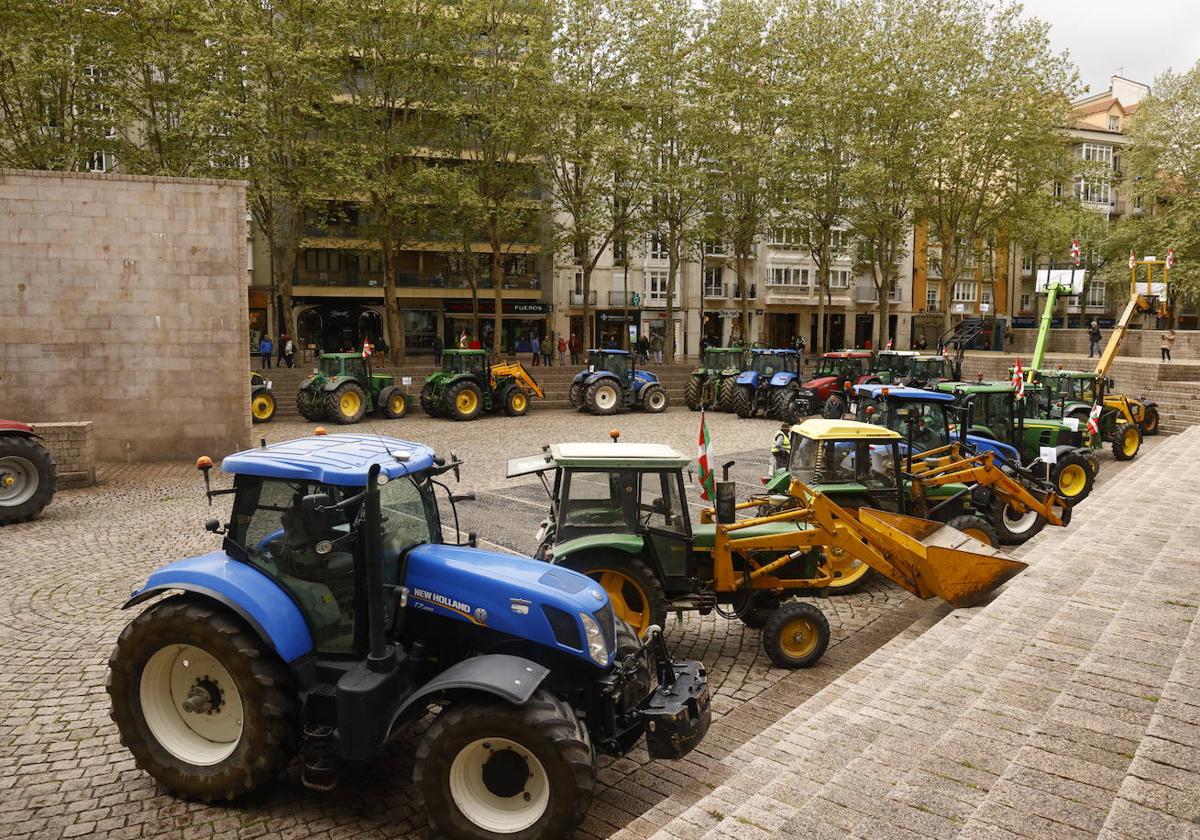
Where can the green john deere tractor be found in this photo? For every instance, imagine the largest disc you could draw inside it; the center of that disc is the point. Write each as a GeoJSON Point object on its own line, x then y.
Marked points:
{"type": "Point", "coordinates": [713, 383]}
{"type": "Point", "coordinates": [343, 389]}
{"type": "Point", "coordinates": [467, 386]}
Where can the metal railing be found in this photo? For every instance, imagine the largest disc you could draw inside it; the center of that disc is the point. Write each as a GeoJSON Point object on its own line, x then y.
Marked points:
{"type": "Point", "coordinates": [577, 298]}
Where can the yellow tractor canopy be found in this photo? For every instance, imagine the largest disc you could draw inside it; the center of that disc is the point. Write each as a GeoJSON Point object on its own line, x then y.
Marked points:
{"type": "Point", "coordinates": [818, 429]}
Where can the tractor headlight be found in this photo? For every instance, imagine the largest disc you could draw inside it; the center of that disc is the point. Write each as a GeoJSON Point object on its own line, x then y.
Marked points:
{"type": "Point", "coordinates": [597, 646]}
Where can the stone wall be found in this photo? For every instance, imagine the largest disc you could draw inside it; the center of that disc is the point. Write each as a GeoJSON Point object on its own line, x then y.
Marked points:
{"type": "Point", "coordinates": [73, 446]}
{"type": "Point", "coordinates": [1138, 342]}
{"type": "Point", "coordinates": [123, 302]}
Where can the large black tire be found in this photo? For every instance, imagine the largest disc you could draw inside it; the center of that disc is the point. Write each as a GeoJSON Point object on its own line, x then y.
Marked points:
{"type": "Point", "coordinates": [392, 403]}
{"type": "Point", "coordinates": [634, 590]}
{"type": "Point", "coordinates": [516, 402]}
{"type": "Point", "coordinates": [1150, 421]}
{"type": "Point", "coordinates": [603, 397]}
{"type": "Point", "coordinates": [655, 399]}
{"type": "Point", "coordinates": [1073, 477]}
{"type": "Point", "coordinates": [262, 405]}
{"type": "Point", "coordinates": [545, 729]}
{"type": "Point", "coordinates": [743, 401]}
{"type": "Point", "coordinates": [311, 406]}
{"type": "Point", "coordinates": [464, 400]}
{"type": "Point", "coordinates": [270, 710]}
{"type": "Point", "coordinates": [429, 402]}
{"type": "Point", "coordinates": [691, 394]}
{"type": "Point", "coordinates": [1011, 528]}
{"type": "Point", "coordinates": [834, 408]}
{"type": "Point", "coordinates": [1126, 442]}
{"type": "Point", "coordinates": [975, 525]}
{"type": "Point", "coordinates": [796, 635]}
{"type": "Point", "coordinates": [780, 400]}
{"type": "Point", "coordinates": [346, 404]}
{"type": "Point", "coordinates": [726, 388]}
{"type": "Point", "coordinates": [575, 395]}
{"type": "Point", "coordinates": [28, 478]}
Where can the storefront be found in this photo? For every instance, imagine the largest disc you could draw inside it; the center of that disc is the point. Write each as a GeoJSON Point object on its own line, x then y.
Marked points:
{"type": "Point", "coordinates": [782, 328]}
{"type": "Point", "coordinates": [612, 325]}
{"type": "Point", "coordinates": [927, 327]}
{"type": "Point", "coordinates": [334, 326]}
{"type": "Point", "coordinates": [259, 303]}
{"type": "Point", "coordinates": [520, 321]}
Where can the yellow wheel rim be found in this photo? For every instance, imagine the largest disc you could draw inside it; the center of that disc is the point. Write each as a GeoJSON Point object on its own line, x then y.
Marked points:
{"type": "Point", "coordinates": [262, 406]}
{"type": "Point", "coordinates": [1151, 421]}
{"type": "Point", "coordinates": [799, 637]}
{"type": "Point", "coordinates": [629, 601]}
{"type": "Point", "coordinates": [845, 570]}
{"type": "Point", "coordinates": [978, 534]}
{"type": "Point", "coordinates": [518, 402]}
{"type": "Point", "coordinates": [349, 404]}
{"type": "Point", "coordinates": [1129, 443]}
{"type": "Point", "coordinates": [397, 404]}
{"type": "Point", "coordinates": [466, 402]}
{"type": "Point", "coordinates": [1072, 480]}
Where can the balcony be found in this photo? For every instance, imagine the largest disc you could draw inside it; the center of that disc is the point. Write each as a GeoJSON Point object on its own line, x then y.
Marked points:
{"type": "Point", "coordinates": [577, 298]}
{"type": "Point", "coordinates": [621, 298]}
{"type": "Point", "coordinates": [868, 294]}
{"type": "Point", "coordinates": [716, 290]}
{"type": "Point", "coordinates": [750, 292]}
{"type": "Point", "coordinates": [408, 280]}
{"type": "Point", "coordinates": [657, 301]}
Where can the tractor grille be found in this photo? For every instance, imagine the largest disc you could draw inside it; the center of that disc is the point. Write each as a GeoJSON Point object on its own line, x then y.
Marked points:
{"type": "Point", "coordinates": [565, 627]}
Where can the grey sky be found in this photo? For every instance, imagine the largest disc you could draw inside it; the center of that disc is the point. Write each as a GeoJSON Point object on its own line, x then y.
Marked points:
{"type": "Point", "coordinates": [1137, 39]}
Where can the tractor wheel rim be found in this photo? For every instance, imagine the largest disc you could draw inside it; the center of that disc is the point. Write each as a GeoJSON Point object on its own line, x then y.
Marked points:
{"type": "Point", "coordinates": [1129, 443]}
{"type": "Point", "coordinates": [191, 704]}
{"type": "Point", "coordinates": [1151, 421]}
{"type": "Point", "coordinates": [656, 399]}
{"type": "Point", "coordinates": [466, 402]}
{"type": "Point", "coordinates": [499, 785]}
{"type": "Point", "coordinates": [629, 601]}
{"type": "Point", "coordinates": [1019, 523]}
{"type": "Point", "coordinates": [262, 407]}
{"type": "Point", "coordinates": [606, 397]}
{"type": "Point", "coordinates": [979, 534]}
{"type": "Point", "coordinates": [1072, 480]}
{"type": "Point", "coordinates": [18, 480]}
{"type": "Point", "coordinates": [396, 403]}
{"type": "Point", "coordinates": [846, 570]}
{"type": "Point", "coordinates": [518, 402]}
{"type": "Point", "coordinates": [349, 403]}
{"type": "Point", "coordinates": [799, 637]}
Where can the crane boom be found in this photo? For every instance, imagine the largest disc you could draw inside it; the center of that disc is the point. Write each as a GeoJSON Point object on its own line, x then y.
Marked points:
{"type": "Point", "coordinates": [1138, 302]}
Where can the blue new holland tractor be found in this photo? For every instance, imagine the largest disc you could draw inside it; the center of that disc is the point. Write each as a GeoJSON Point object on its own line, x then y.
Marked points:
{"type": "Point", "coordinates": [612, 380]}
{"type": "Point", "coordinates": [334, 614]}
{"type": "Point", "coordinates": [767, 387]}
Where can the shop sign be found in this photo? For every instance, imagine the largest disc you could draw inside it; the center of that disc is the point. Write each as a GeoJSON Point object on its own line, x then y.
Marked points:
{"type": "Point", "coordinates": [487, 306]}
{"type": "Point", "coordinates": [607, 317]}
{"type": "Point", "coordinates": [526, 307]}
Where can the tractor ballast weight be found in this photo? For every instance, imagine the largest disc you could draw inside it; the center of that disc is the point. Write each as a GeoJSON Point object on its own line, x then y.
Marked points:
{"type": "Point", "coordinates": [766, 387]}
{"type": "Point", "coordinates": [262, 398]}
{"type": "Point", "coordinates": [612, 381]}
{"type": "Point", "coordinates": [334, 615]}
{"type": "Point", "coordinates": [467, 386]}
{"type": "Point", "coordinates": [827, 392]}
{"type": "Point", "coordinates": [28, 473]}
{"type": "Point", "coordinates": [342, 388]}
{"type": "Point", "coordinates": [712, 384]}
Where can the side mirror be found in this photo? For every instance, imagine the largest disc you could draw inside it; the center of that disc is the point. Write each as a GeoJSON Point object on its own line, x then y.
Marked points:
{"type": "Point", "coordinates": [213, 526]}
{"type": "Point", "coordinates": [473, 539]}
{"type": "Point", "coordinates": [312, 508]}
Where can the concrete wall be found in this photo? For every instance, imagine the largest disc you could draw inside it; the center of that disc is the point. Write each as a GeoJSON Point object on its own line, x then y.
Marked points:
{"type": "Point", "coordinates": [123, 302]}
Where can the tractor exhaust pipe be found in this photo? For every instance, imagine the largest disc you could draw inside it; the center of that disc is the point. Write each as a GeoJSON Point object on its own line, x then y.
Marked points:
{"type": "Point", "coordinates": [380, 657]}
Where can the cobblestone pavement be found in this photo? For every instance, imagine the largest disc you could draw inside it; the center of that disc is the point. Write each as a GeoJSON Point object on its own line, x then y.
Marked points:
{"type": "Point", "coordinates": [68, 572]}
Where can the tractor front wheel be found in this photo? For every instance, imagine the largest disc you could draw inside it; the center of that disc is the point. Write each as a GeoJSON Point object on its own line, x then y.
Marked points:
{"type": "Point", "coordinates": [490, 769]}
{"type": "Point", "coordinates": [849, 573]}
{"type": "Point", "coordinates": [1150, 421]}
{"type": "Point", "coordinates": [835, 407]}
{"type": "Point", "coordinates": [575, 395]}
{"type": "Point", "coordinates": [28, 476]}
{"type": "Point", "coordinates": [636, 595]}
{"type": "Point", "coordinates": [743, 401]}
{"type": "Point", "coordinates": [262, 405]}
{"type": "Point", "coordinates": [1126, 442]}
{"type": "Point", "coordinates": [691, 394]}
{"type": "Point", "coordinates": [392, 404]}
{"type": "Point", "coordinates": [796, 635]}
{"type": "Point", "coordinates": [726, 388]}
{"type": "Point", "coordinates": [205, 707]}
{"type": "Point", "coordinates": [346, 404]}
{"type": "Point", "coordinates": [603, 397]}
{"type": "Point", "coordinates": [1073, 477]}
{"type": "Point", "coordinates": [976, 527]}
{"type": "Point", "coordinates": [464, 400]}
{"type": "Point", "coordinates": [654, 399]}
{"type": "Point", "coordinates": [516, 402]}
{"type": "Point", "coordinates": [1014, 528]}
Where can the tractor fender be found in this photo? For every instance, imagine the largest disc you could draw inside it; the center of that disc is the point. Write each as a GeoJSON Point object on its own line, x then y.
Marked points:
{"type": "Point", "coordinates": [628, 543]}
{"type": "Point", "coordinates": [593, 378]}
{"type": "Point", "coordinates": [580, 377]}
{"type": "Point", "coordinates": [1146, 402]}
{"type": "Point", "coordinates": [645, 377]}
{"type": "Point", "coordinates": [822, 385]}
{"type": "Point", "coordinates": [748, 377]}
{"type": "Point", "coordinates": [513, 679]}
{"type": "Point", "coordinates": [306, 382]}
{"type": "Point", "coordinates": [335, 382]}
{"type": "Point", "coordinates": [249, 593]}
{"type": "Point", "coordinates": [783, 379]}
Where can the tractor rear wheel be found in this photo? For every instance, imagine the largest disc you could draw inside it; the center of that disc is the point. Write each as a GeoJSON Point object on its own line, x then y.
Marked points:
{"type": "Point", "coordinates": [262, 405]}
{"type": "Point", "coordinates": [1126, 442]}
{"type": "Point", "coordinates": [603, 397]}
{"type": "Point", "coordinates": [796, 635]}
{"type": "Point", "coordinates": [346, 404]}
{"type": "Point", "coordinates": [1150, 421]}
{"type": "Point", "coordinates": [780, 398]}
{"type": "Point", "coordinates": [654, 399]}
{"type": "Point", "coordinates": [726, 388]}
{"type": "Point", "coordinates": [976, 527]}
{"type": "Point", "coordinates": [28, 476]}
{"type": "Point", "coordinates": [516, 402]}
{"type": "Point", "coordinates": [1073, 477]}
{"type": "Point", "coordinates": [1014, 528]}
{"type": "Point", "coordinates": [464, 400]}
{"type": "Point", "coordinates": [575, 395]}
{"type": "Point", "coordinates": [203, 704]}
{"type": "Point", "coordinates": [311, 406]}
{"type": "Point", "coordinates": [392, 403]}
{"type": "Point", "coordinates": [490, 769]}
{"type": "Point", "coordinates": [743, 401]}
{"type": "Point", "coordinates": [691, 394]}
{"type": "Point", "coordinates": [430, 404]}
{"type": "Point", "coordinates": [835, 407]}
{"type": "Point", "coordinates": [635, 592]}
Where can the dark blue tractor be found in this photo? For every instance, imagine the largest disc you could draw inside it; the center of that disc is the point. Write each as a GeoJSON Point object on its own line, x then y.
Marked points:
{"type": "Point", "coordinates": [612, 380]}
{"type": "Point", "coordinates": [767, 386]}
{"type": "Point", "coordinates": [334, 614]}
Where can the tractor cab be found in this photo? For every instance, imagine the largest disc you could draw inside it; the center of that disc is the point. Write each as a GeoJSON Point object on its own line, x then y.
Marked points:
{"type": "Point", "coordinates": [925, 420]}
{"type": "Point", "coordinates": [894, 365]}
{"type": "Point", "coordinates": [722, 359]}
{"type": "Point", "coordinates": [854, 464]}
{"type": "Point", "coordinates": [929, 371]}
{"type": "Point", "coordinates": [767, 363]}
{"type": "Point", "coordinates": [342, 365]}
{"type": "Point", "coordinates": [844, 364]}
{"type": "Point", "coordinates": [464, 361]}
{"type": "Point", "coordinates": [620, 363]}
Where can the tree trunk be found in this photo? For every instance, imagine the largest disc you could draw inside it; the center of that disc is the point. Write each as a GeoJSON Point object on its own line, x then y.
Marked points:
{"type": "Point", "coordinates": [589, 338]}
{"type": "Point", "coordinates": [949, 275]}
{"type": "Point", "coordinates": [668, 339]}
{"type": "Point", "coordinates": [881, 302]}
{"type": "Point", "coordinates": [498, 293]}
{"type": "Point", "coordinates": [822, 289]}
{"type": "Point", "coordinates": [394, 317]}
{"type": "Point", "coordinates": [740, 263]}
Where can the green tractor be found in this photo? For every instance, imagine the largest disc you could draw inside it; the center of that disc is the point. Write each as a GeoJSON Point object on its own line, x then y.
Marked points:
{"type": "Point", "coordinates": [713, 383]}
{"type": "Point", "coordinates": [343, 389]}
{"type": "Point", "coordinates": [467, 386]}
{"type": "Point", "coordinates": [1071, 394]}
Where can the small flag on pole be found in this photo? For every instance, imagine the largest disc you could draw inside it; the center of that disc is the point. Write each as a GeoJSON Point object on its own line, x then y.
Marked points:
{"type": "Point", "coordinates": [367, 348]}
{"type": "Point", "coordinates": [891, 343]}
{"type": "Point", "coordinates": [1093, 423]}
{"type": "Point", "coordinates": [1075, 252]}
{"type": "Point", "coordinates": [1170, 258]}
{"type": "Point", "coordinates": [1018, 380]}
{"type": "Point", "coordinates": [704, 456]}
{"type": "Point", "coordinates": [1132, 260]}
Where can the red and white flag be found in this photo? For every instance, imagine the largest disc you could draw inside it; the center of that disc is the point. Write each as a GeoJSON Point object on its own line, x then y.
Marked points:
{"type": "Point", "coordinates": [705, 458]}
{"type": "Point", "coordinates": [1132, 260]}
{"type": "Point", "coordinates": [1170, 258]}
{"type": "Point", "coordinates": [367, 348]}
{"type": "Point", "coordinates": [891, 343]}
{"type": "Point", "coordinates": [1093, 423]}
{"type": "Point", "coordinates": [1075, 253]}
{"type": "Point", "coordinates": [1018, 380]}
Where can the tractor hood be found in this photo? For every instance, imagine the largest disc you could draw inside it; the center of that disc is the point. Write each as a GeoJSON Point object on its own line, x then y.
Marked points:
{"type": "Point", "coordinates": [748, 377]}
{"type": "Point", "coordinates": [784, 377]}
{"type": "Point", "coordinates": [510, 594]}
{"type": "Point", "coordinates": [821, 382]}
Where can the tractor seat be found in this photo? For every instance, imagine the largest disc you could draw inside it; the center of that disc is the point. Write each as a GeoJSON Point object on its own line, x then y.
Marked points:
{"type": "Point", "coordinates": [705, 535]}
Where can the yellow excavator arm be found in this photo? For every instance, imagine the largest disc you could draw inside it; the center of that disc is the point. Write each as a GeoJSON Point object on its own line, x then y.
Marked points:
{"type": "Point", "coordinates": [517, 372]}
{"type": "Point", "coordinates": [1138, 302]}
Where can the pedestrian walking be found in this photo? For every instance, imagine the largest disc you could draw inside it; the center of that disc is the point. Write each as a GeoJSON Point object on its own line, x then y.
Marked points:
{"type": "Point", "coordinates": [265, 348]}
{"type": "Point", "coordinates": [642, 348]}
{"type": "Point", "coordinates": [548, 350]}
{"type": "Point", "coordinates": [656, 347]}
{"type": "Point", "coordinates": [535, 348]}
{"type": "Point", "coordinates": [289, 351]}
{"type": "Point", "coordinates": [437, 350]}
{"type": "Point", "coordinates": [1093, 340]}
{"type": "Point", "coordinates": [1168, 341]}
{"type": "Point", "coordinates": [574, 345]}
{"type": "Point", "coordinates": [562, 351]}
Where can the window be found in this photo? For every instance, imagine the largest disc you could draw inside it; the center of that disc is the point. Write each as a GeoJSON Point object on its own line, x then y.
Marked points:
{"type": "Point", "coordinates": [1057, 190]}
{"type": "Point", "coordinates": [1095, 294]}
{"type": "Point", "coordinates": [1027, 263]}
{"type": "Point", "coordinates": [839, 279]}
{"type": "Point", "coordinates": [965, 291]}
{"type": "Point", "coordinates": [839, 243]}
{"type": "Point", "coordinates": [788, 276]}
{"type": "Point", "coordinates": [1025, 300]}
{"type": "Point", "coordinates": [320, 260]}
{"type": "Point", "coordinates": [931, 299]}
{"type": "Point", "coordinates": [662, 507]}
{"type": "Point", "coordinates": [785, 239]}
{"type": "Point", "coordinates": [713, 282]}
{"type": "Point", "coordinates": [656, 287]}
{"type": "Point", "coordinates": [1096, 153]}
{"type": "Point", "coordinates": [658, 247]}
{"type": "Point", "coordinates": [1095, 192]}
{"type": "Point", "coordinates": [985, 295]}
{"type": "Point", "coordinates": [579, 283]}
{"type": "Point", "coordinates": [620, 251]}
{"type": "Point", "coordinates": [1114, 123]}
{"type": "Point", "coordinates": [714, 248]}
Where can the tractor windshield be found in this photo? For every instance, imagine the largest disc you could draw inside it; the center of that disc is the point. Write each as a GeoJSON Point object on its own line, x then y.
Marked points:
{"type": "Point", "coordinates": [618, 363]}
{"type": "Point", "coordinates": [897, 363]}
{"type": "Point", "coordinates": [930, 369]}
{"type": "Point", "coordinates": [723, 359]}
{"type": "Point", "coordinates": [867, 462]}
{"type": "Point", "coordinates": [769, 364]}
{"type": "Point", "coordinates": [991, 415]}
{"type": "Point", "coordinates": [842, 367]}
{"type": "Point", "coordinates": [930, 429]}
{"type": "Point", "coordinates": [331, 366]}
{"type": "Point", "coordinates": [466, 363]}
{"type": "Point", "coordinates": [1073, 388]}
{"type": "Point", "coordinates": [597, 502]}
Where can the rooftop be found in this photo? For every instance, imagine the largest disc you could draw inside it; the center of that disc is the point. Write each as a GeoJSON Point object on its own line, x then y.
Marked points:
{"type": "Point", "coordinates": [903, 392]}
{"type": "Point", "coordinates": [341, 460]}
{"type": "Point", "coordinates": [843, 430]}
{"type": "Point", "coordinates": [599, 454]}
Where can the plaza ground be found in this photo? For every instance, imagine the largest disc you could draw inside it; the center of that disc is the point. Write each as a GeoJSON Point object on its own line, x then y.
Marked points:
{"type": "Point", "coordinates": [67, 573]}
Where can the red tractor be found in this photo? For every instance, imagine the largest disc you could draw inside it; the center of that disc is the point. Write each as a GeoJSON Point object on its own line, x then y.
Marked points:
{"type": "Point", "coordinates": [28, 473]}
{"type": "Point", "coordinates": [828, 392]}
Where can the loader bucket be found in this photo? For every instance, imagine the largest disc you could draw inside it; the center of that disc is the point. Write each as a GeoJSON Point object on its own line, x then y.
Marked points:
{"type": "Point", "coordinates": [931, 558]}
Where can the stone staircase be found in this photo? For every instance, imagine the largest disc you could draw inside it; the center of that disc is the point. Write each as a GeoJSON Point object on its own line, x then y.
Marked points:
{"type": "Point", "coordinates": [1066, 707]}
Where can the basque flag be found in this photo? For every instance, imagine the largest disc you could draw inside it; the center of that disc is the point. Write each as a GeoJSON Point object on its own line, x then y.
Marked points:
{"type": "Point", "coordinates": [1018, 380]}
{"type": "Point", "coordinates": [1093, 423]}
{"type": "Point", "coordinates": [705, 458]}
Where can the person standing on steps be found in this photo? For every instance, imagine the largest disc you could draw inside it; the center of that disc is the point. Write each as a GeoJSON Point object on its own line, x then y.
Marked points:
{"type": "Point", "coordinates": [574, 346]}
{"type": "Point", "coordinates": [265, 348]}
{"type": "Point", "coordinates": [1168, 341]}
{"type": "Point", "coordinates": [289, 350]}
{"type": "Point", "coordinates": [535, 348]}
{"type": "Point", "coordinates": [562, 352]}
{"type": "Point", "coordinates": [656, 347]}
{"type": "Point", "coordinates": [1093, 340]}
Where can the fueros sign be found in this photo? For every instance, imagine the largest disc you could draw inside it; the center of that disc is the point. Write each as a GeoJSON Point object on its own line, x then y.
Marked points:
{"type": "Point", "coordinates": [487, 306]}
